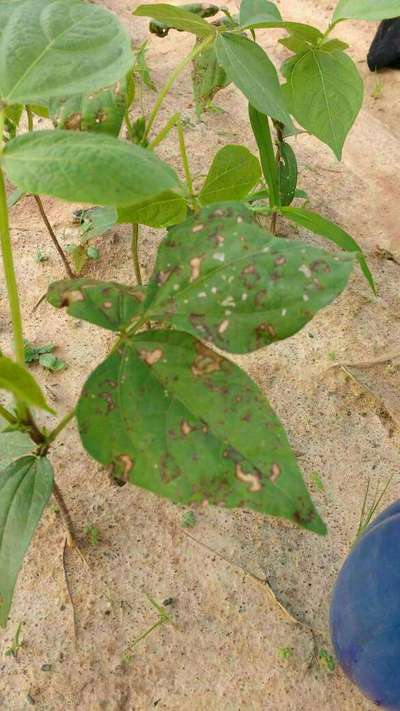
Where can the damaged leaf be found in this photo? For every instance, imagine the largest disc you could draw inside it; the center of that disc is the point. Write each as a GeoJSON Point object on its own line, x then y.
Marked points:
{"type": "Point", "coordinates": [187, 424]}
{"type": "Point", "coordinates": [208, 77]}
{"type": "Point", "coordinates": [222, 278]}
{"type": "Point", "coordinates": [106, 304]}
{"type": "Point", "coordinates": [100, 111]}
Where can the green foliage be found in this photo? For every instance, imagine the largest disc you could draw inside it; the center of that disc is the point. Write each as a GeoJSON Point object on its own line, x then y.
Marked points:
{"type": "Point", "coordinates": [326, 660]}
{"type": "Point", "coordinates": [106, 304]}
{"type": "Point", "coordinates": [73, 48]}
{"type": "Point", "coordinates": [43, 355]}
{"type": "Point", "coordinates": [233, 173]}
{"type": "Point", "coordinates": [13, 445]}
{"type": "Point", "coordinates": [366, 10]}
{"type": "Point", "coordinates": [250, 69]}
{"type": "Point", "coordinates": [208, 77]}
{"type": "Point", "coordinates": [21, 384]}
{"type": "Point", "coordinates": [16, 644]}
{"type": "Point", "coordinates": [235, 285]}
{"type": "Point", "coordinates": [164, 410]}
{"type": "Point", "coordinates": [25, 488]}
{"type": "Point", "coordinates": [321, 226]}
{"type": "Point", "coordinates": [324, 93]}
{"type": "Point", "coordinates": [101, 111]}
{"type": "Point", "coordinates": [188, 520]}
{"type": "Point", "coordinates": [176, 17]}
{"type": "Point", "coordinates": [101, 169]}
{"type": "Point", "coordinates": [166, 209]}
{"type": "Point", "coordinates": [168, 382]}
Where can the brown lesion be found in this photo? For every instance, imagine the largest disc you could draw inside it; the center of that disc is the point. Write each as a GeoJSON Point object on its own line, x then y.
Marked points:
{"type": "Point", "coordinates": [151, 357]}
{"type": "Point", "coordinates": [253, 480]}
{"type": "Point", "coordinates": [206, 361]}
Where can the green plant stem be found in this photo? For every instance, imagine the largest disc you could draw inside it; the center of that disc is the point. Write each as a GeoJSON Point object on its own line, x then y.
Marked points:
{"type": "Point", "coordinates": [165, 131]}
{"type": "Point", "coordinates": [43, 215]}
{"type": "Point", "coordinates": [61, 425]}
{"type": "Point", "coordinates": [197, 49]}
{"type": "Point", "coordinates": [8, 263]}
{"type": "Point", "coordinates": [7, 415]}
{"type": "Point", "coordinates": [135, 253]}
{"type": "Point", "coordinates": [185, 162]}
{"type": "Point", "coordinates": [129, 126]}
{"type": "Point", "coordinates": [65, 516]}
{"type": "Point", "coordinates": [279, 136]}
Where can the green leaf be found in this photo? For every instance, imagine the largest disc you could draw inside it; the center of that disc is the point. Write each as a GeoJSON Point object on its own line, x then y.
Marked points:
{"type": "Point", "coordinates": [366, 10]}
{"type": "Point", "coordinates": [101, 169]}
{"type": "Point", "coordinates": [185, 423]}
{"type": "Point", "coordinates": [13, 445]}
{"type": "Point", "coordinates": [321, 226]}
{"type": "Point", "coordinates": [51, 362]}
{"type": "Point", "coordinates": [106, 304]}
{"type": "Point", "coordinates": [97, 220]}
{"type": "Point", "coordinates": [251, 70]}
{"type": "Point", "coordinates": [25, 488]}
{"type": "Point", "coordinates": [233, 172]}
{"type": "Point", "coordinates": [222, 278]}
{"type": "Point", "coordinates": [208, 77]}
{"type": "Point", "coordinates": [256, 11]}
{"type": "Point", "coordinates": [100, 111]}
{"type": "Point", "coordinates": [162, 211]}
{"type": "Point", "coordinates": [21, 384]}
{"type": "Point", "coordinates": [324, 93]}
{"type": "Point", "coordinates": [287, 174]}
{"type": "Point", "coordinates": [176, 17]}
{"type": "Point", "coordinates": [262, 132]}
{"type": "Point", "coordinates": [52, 48]}
{"type": "Point", "coordinates": [15, 197]}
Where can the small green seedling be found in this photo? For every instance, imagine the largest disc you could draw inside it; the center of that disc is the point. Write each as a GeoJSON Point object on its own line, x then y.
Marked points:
{"type": "Point", "coordinates": [326, 661]}
{"type": "Point", "coordinates": [43, 355]}
{"type": "Point", "coordinates": [285, 653]}
{"type": "Point", "coordinates": [368, 512]}
{"type": "Point", "coordinates": [377, 89]}
{"type": "Point", "coordinates": [316, 481]}
{"type": "Point", "coordinates": [16, 644]}
{"type": "Point", "coordinates": [41, 257]}
{"type": "Point", "coordinates": [163, 619]}
{"type": "Point", "coordinates": [221, 285]}
{"type": "Point", "coordinates": [92, 533]}
{"type": "Point", "coordinates": [188, 519]}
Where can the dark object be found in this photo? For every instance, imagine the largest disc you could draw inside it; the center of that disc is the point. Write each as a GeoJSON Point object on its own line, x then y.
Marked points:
{"type": "Point", "coordinates": [365, 611]}
{"type": "Point", "coordinates": [385, 49]}
{"type": "Point", "coordinates": [161, 29]}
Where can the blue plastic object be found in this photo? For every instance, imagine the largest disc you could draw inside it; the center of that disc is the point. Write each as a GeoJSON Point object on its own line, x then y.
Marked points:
{"type": "Point", "coordinates": [365, 611]}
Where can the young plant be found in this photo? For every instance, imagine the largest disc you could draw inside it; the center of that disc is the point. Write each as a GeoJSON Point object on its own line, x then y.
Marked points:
{"type": "Point", "coordinates": [182, 420]}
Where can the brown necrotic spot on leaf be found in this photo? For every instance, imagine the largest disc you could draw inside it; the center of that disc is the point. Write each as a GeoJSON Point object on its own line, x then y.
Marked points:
{"type": "Point", "coordinates": [73, 122]}
{"type": "Point", "coordinates": [162, 277]}
{"type": "Point", "coordinates": [151, 357]}
{"type": "Point", "coordinates": [260, 297]}
{"type": "Point", "coordinates": [274, 472]}
{"type": "Point", "coordinates": [223, 326]}
{"type": "Point", "coordinates": [280, 260]}
{"type": "Point", "coordinates": [107, 305]}
{"type": "Point", "coordinates": [265, 328]}
{"type": "Point", "coordinates": [124, 466]}
{"type": "Point", "coordinates": [69, 297]}
{"type": "Point", "coordinates": [253, 480]}
{"type": "Point", "coordinates": [185, 428]}
{"type": "Point", "coordinates": [198, 228]}
{"type": "Point", "coordinates": [319, 265]}
{"type": "Point", "coordinates": [304, 269]}
{"type": "Point", "coordinates": [195, 264]}
{"type": "Point", "coordinates": [206, 362]}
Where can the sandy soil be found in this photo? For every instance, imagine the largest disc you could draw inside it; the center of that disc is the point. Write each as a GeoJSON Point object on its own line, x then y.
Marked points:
{"type": "Point", "coordinates": [222, 651]}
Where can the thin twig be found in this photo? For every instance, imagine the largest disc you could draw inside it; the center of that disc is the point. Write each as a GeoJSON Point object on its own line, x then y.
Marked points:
{"type": "Point", "coordinates": [366, 363]}
{"type": "Point", "coordinates": [65, 516]}
{"type": "Point", "coordinates": [74, 622]}
{"type": "Point", "coordinates": [53, 237]}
